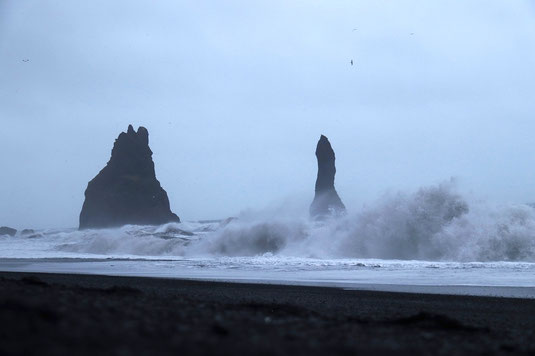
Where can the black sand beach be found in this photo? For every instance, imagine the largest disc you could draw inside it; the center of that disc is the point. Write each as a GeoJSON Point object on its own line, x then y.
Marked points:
{"type": "Point", "coordinates": [53, 314]}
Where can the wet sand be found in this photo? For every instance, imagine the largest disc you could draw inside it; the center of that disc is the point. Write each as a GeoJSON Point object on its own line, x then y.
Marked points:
{"type": "Point", "coordinates": [56, 314]}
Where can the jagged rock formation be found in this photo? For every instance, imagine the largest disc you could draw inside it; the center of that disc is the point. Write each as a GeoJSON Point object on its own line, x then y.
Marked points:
{"type": "Point", "coordinates": [126, 191]}
{"type": "Point", "coordinates": [4, 230]}
{"type": "Point", "coordinates": [326, 201]}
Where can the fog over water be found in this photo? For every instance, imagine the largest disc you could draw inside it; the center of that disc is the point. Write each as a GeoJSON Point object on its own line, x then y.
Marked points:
{"type": "Point", "coordinates": [235, 95]}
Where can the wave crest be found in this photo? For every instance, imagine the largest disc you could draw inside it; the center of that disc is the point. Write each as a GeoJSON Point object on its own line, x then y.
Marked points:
{"type": "Point", "coordinates": [435, 223]}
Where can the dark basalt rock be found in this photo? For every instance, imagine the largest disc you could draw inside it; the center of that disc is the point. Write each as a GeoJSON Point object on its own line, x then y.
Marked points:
{"type": "Point", "coordinates": [326, 201]}
{"type": "Point", "coordinates": [126, 191]}
{"type": "Point", "coordinates": [4, 230]}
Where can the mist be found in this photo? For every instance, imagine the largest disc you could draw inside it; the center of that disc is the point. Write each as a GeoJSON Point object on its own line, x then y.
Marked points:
{"type": "Point", "coordinates": [235, 96]}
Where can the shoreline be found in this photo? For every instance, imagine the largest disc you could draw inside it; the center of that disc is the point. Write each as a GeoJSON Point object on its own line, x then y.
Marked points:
{"type": "Point", "coordinates": [364, 280]}
{"type": "Point", "coordinates": [89, 314]}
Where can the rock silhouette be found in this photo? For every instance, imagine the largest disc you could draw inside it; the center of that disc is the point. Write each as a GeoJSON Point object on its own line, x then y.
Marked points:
{"type": "Point", "coordinates": [4, 230]}
{"type": "Point", "coordinates": [326, 200]}
{"type": "Point", "coordinates": [126, 191]}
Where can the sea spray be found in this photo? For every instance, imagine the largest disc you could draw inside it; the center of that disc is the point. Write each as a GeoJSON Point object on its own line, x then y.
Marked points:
{"type": "Point", "coordinates": [403, 226]}
{"type": "Point", "coordinates": [434, 223]}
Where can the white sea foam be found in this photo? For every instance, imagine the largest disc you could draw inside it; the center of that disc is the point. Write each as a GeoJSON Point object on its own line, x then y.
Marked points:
{"type": "Point", "coordinates": [432, 224]}
{"type": "Point", "coordinates": [431, 236]}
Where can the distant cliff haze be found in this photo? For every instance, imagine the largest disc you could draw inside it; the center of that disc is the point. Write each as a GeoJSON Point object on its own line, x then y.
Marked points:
{"type": "Point", "coordinates": [126, 191]}
{"type": "Point", "coordinates": [326, 200]}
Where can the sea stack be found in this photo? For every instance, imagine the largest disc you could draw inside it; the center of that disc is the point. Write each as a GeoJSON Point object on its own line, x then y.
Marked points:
{"type": "Point", "coordinates": [326, 201]}
{"type": "Point", "coordinates": [126, 191]}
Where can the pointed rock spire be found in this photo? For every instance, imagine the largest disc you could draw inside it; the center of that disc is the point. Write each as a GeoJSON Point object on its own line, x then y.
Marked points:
{"type": "Point", "coordinates": [126, 191]}
{"type": "Point", "coordinates": [326, 200]}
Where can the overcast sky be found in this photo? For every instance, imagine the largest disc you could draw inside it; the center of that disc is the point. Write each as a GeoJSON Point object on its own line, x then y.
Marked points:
{"type": "Point", "coordinates": [235, 95]}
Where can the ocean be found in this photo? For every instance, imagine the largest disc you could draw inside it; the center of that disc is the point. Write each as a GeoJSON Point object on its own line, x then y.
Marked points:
{"type": "Point", "coordinates": [429, 241]}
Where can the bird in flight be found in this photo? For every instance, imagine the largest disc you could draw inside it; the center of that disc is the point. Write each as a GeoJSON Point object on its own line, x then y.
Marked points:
{"type": "Point", "coordinates": [351, 62]}
{"type": "Point", "coordinates": [25, 60]}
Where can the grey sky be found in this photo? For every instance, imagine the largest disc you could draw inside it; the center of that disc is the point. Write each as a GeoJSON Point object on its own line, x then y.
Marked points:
{"type": "Point", "coordinates": [235, 95]}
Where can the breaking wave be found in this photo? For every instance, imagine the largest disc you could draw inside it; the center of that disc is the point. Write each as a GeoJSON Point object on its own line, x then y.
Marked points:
{"type": "Point", "coordinates": [434, 223]}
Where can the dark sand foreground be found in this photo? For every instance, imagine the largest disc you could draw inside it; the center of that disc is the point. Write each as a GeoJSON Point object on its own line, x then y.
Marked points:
{"type": "Point", "coordinates": [46, 314]}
